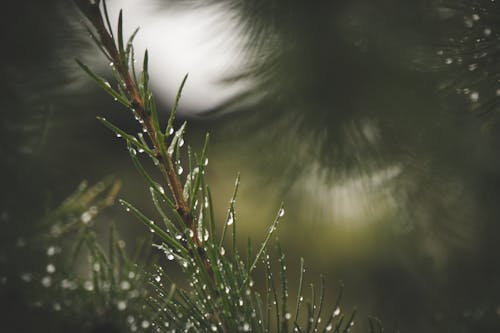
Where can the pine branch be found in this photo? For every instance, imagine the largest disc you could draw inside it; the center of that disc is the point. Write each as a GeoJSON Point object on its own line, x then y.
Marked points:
{"type": "Point", "coordinates": [221, 295]}
{"type": "Point", "coordinates": [121, 59]}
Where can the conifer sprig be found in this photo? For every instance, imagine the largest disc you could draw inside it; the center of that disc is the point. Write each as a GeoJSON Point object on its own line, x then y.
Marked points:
{"type": "Point", "coordinates": [134, 94]}
{"type": "Point", "coordinates": [221, 296]}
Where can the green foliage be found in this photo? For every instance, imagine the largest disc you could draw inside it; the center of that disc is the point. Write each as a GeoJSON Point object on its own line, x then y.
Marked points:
{"type": "Point", "coordinates": [220, 288]}
{"type": "Point", "coordinates": [85, 285]}
{"type": "Point", "coordinates": [221, 294]}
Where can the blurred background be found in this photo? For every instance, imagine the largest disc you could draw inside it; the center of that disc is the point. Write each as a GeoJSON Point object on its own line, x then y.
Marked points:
{"type": "Point", "coordinates": [375, 122]}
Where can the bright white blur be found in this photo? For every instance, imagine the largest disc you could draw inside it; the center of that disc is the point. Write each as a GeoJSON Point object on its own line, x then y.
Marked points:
{"type": "Point", "coordinates": [204, 41]}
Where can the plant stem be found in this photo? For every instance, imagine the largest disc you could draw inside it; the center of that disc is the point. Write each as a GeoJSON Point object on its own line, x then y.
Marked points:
{"type": "Point", "coordinates": [93, 13]}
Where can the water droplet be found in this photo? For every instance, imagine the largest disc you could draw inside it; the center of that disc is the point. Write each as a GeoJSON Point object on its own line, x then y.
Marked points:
{"type": "Point", "coordinates": [213, 328]}
{"type": "Point", "coordinates": [181, 142]}
{"type": "Point", "coordinates": [487, 31]}
{"type": "Point", "coordinates": [336, 312]}
{"type": "Point", "coordinates": [131, 275]}
{"type": "Point", "coordinates": [448, 61]}
{"type": "Point", "coordinates": [161, 189]}
{"type": "Point", "coordinates": [67, 284]}
{"type": "Point", "coordinates": [46, 281]}
{"type": "Point", "coordinates": [474, 96]}
{"type": "Point", "coordinates": [121, 305]}
{"type": "Point", "coordinates": [145, 324]}
{"type": "Point", "coordinates": [170, 256]}
{"type": "Point", "coordinates": [205, 163]}
{"type": "Point", "coordinates": [329, 327]}
{"type": "Point", "coordinates": [106, 83]}
{"type": "Point", "coordinates": [157, 278]}
{"type": "Point", "coordinates": [246, 327]}
{"type": "Point", "coordinates": [125, 285]}
{"type": "Point", "coordinates": [288, 316]}
{"type": "Point", "coordinates": [179, 170]}
{"type": "Point", "coordinates": [222, 251]}
{"type": "Point", "coordinates": [132, 151]}
{"type": "Point", "coordinates": [86, 217]}
{"type": "Point", "coordinates": [472, 67]}
{"type": "Point", "coordinates": [26, 277]}
{"type": "Point", "coordinates": [51, 250]}
{"type": "Point", "coordinates": [171, 131]}
{"type": "Point", "coordinates": [230, 219]}
{"type": "Point", "coordinates": [281, 212]}
{"type": "Point", "coordinates": [88, 285]}
{"type": "Point", "coordinates": [475, 17]}
{"type": "Point", "coordinates": [50, 268]}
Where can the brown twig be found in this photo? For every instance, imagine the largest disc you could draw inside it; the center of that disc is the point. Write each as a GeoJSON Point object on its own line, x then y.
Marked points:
{"type": "Point", "coordinates": [93, 13]}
